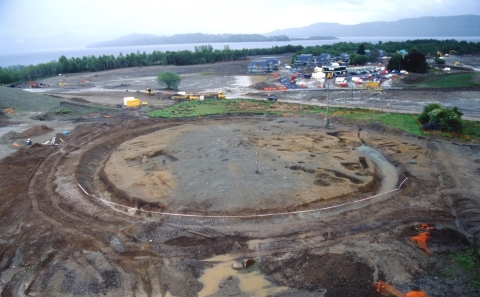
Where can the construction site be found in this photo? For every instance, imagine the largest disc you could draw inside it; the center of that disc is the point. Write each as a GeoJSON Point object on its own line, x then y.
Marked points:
{"type": "Point", "coordinates": [229, 205]}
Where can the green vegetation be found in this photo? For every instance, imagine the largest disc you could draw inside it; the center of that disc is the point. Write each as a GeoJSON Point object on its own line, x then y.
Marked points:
{"type": "Point", "coordinates": [454, 80]}
{"type": "Point", "coordinates": [439, 79]}
{"type": "Point", "coordinates": [439, 60]}
{"type": "Point", "coordinates": [64, 111]}
{"type": "Point", "coordinates": [467, 260]}
{"type": "Point", "coordinates": [436, 117]}
{"type": "Point", "coordinates": [471, 128]}
{"type": "Point", "coordinates": [169, 79]}
{"type": "Point", "coordinates": [404, 122]}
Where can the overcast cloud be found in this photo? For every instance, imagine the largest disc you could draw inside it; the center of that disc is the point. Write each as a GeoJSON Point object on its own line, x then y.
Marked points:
{"type": "Point", "coordinates": [27, 18]}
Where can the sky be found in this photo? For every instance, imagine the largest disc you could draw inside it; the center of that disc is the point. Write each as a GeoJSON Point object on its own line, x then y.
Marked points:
{"type": "Point", "coordinates": [117, 18]}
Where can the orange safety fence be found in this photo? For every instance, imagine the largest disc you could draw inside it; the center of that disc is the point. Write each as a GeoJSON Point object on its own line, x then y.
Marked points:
{"type": "Point", "coordinates": [421, 240]}
{"type": "Point", "coordinates": [386, 290]}
{"type": "Point", "coordinates": [416, 294]}
{"type": "Point", "coordinates": [275, 89]}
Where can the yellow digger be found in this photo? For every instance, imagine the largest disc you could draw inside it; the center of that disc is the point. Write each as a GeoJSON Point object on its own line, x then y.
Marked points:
{"type": "Point", "coordinates": [149, 92]}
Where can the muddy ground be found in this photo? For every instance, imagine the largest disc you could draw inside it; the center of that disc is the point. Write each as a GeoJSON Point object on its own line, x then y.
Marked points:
{"type": "Point", "coordinates": [129, 206]}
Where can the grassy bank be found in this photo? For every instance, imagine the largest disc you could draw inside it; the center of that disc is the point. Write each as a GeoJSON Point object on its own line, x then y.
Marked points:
{"type": "Point", "coordinates": [440, 80]}
{"type": "Point", "coordinates": [404, 122]}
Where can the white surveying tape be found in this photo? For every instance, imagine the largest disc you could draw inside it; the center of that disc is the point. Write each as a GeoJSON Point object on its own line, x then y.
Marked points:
{"type": "Point", "coordinates": [239, 216]}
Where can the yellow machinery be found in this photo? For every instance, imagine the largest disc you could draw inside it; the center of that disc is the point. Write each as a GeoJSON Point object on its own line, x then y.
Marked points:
{"type": "Point", "coordinates": [458, 63]}
{"type": "Point", "coordinates": [149, 92]}
{"type": "Point", "coordinates": [439, 54]}
{"type": "Point", "coordinates": [131, 101]}
{"type": "Point", "coordinates": [372, 85]}
{"type": "Point", "coordinates": [182, 96]}
{"type": "Point", "coordinates": [214, 95]}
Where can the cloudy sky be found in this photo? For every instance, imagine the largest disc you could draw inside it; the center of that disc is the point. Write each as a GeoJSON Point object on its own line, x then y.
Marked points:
{"type": "Point", "coordinates": [117, 18]}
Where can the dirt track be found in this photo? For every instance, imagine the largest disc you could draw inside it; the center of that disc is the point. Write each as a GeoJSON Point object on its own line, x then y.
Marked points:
{"type": "Point", "coordinates": [57, 241]}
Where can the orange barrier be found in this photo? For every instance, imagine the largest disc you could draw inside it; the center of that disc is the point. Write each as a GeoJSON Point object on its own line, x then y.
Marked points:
{"type": "Point", "coordinates": [416, 294]}
{"type": "Point", "coordinates": [426, 227]}
{"type": "Point", "coordinates": [386, 290]}
{"type": "Point", "coordinates": [421, 240]}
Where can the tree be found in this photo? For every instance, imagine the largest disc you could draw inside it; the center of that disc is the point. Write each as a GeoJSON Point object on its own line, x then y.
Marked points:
{"type": "Point", "coordinates": [439, 60]}
{"type": "Point", "coordinates": [415, 61]}
{"type": "Point", "coordinates": [358, 59]}
{"type": "Point", "coordinates": [361, 49]}
{"type": "Point", "coordinates": [169, 79]}
{"type": "Point", "coordinates": [395, 62]}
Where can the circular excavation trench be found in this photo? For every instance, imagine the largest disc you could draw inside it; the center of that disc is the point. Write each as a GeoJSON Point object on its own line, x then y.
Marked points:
{"type": "Point", "coordinates": [216, 168]}
{"type": "Point", "coordinates": [292, 164]}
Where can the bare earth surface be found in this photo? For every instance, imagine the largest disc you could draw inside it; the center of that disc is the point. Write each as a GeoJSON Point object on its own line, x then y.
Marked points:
{"type": "Point", "coordinates": [130, 206]}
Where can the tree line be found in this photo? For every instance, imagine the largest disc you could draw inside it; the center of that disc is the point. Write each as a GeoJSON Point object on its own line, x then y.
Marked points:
{"type": "Point", "coordinates": [202, 54]}
{"type": "Point", "coordinates": [205, 54]}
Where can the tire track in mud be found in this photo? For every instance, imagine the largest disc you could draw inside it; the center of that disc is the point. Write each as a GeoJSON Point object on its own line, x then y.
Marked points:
{"type": "Point", "coordinates": [130, 262]}
{"type": "Point", "coordinates": [458, 190]}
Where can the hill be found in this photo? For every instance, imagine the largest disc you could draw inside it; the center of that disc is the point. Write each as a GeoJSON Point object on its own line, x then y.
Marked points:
{"type": "Point", "coordinates": [149, 39]}
{"type": "Point", "coordinates": [447, 26]}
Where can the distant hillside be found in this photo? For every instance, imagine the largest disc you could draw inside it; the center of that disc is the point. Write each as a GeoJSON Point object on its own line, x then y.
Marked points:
{"type": "Point", "coordinates": [464, 25]}
{"type": "Point", "coordinates": [148, 39]}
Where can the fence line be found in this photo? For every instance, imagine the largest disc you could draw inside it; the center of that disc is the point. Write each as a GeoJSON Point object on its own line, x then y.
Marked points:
{"type": "Point", "coordinates": [238, 216]}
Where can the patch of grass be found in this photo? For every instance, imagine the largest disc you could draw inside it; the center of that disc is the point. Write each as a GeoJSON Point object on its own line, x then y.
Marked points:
{"type": "Point", "coordinates": [453, 80]}
{"type": "Point", "coordinates": [471, 128]}
{"type": "Point", "coordinates": [64, 111]}
{"type": "Point", "coordinates": [469, 260]}
{"type": "Point", "coordinates": [405, 122]}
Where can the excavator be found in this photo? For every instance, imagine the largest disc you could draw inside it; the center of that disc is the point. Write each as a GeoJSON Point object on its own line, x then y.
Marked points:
{"type": "Point", "coordinates": [149, 92]}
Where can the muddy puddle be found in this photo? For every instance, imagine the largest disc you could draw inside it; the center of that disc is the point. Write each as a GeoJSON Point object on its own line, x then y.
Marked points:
{"type": "Point", "coordinates": [245, 81]}
{"type": "Point", "coordinates": [389, 172]}
{"type": "Point", "coordinates": [250, 281]}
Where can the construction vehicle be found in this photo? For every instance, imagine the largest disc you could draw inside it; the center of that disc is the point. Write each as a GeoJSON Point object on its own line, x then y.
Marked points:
{"type": "Point", "coordinates": [214, 95]}
{"type": "Point", "coordinates": [439, 54]}
{"type": "Point", "coordinates": [183, 96]}
{"type": "Point", "coordinates": [149, 92]}
{"type": "Point", "coordinates": [458, 63]}
{"type": "Point", "coordinates": [131, 101]}
{"type": "Point", "coordinates": [372, 85]}
{"type": "Point", "coordinates": [34, 84]}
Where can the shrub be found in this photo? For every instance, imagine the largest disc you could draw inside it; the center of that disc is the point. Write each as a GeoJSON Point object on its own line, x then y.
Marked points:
{"type": "Point", "coordinates": [436, 117]}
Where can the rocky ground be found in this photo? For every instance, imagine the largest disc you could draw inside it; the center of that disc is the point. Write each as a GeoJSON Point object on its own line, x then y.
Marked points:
{"type": "Point", "coordinates": [70, 226]}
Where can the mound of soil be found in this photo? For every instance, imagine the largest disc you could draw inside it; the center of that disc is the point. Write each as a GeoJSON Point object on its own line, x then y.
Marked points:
{"type": "Point", "coordinates": [34, 131]}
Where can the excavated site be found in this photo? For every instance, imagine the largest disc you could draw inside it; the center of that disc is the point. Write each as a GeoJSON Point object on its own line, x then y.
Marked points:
{"type": "Point", "coordinates": [241, 205]}
{"type": "Point", "coordinates": [169, 207]}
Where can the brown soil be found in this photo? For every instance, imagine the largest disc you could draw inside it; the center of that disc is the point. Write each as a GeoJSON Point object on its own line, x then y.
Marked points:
{"type": "Point", "coordinates": [176, 221]}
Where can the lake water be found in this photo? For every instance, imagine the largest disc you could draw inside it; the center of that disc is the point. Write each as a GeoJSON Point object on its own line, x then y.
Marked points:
{"type": "Point", "coordinates": [33, 57]}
